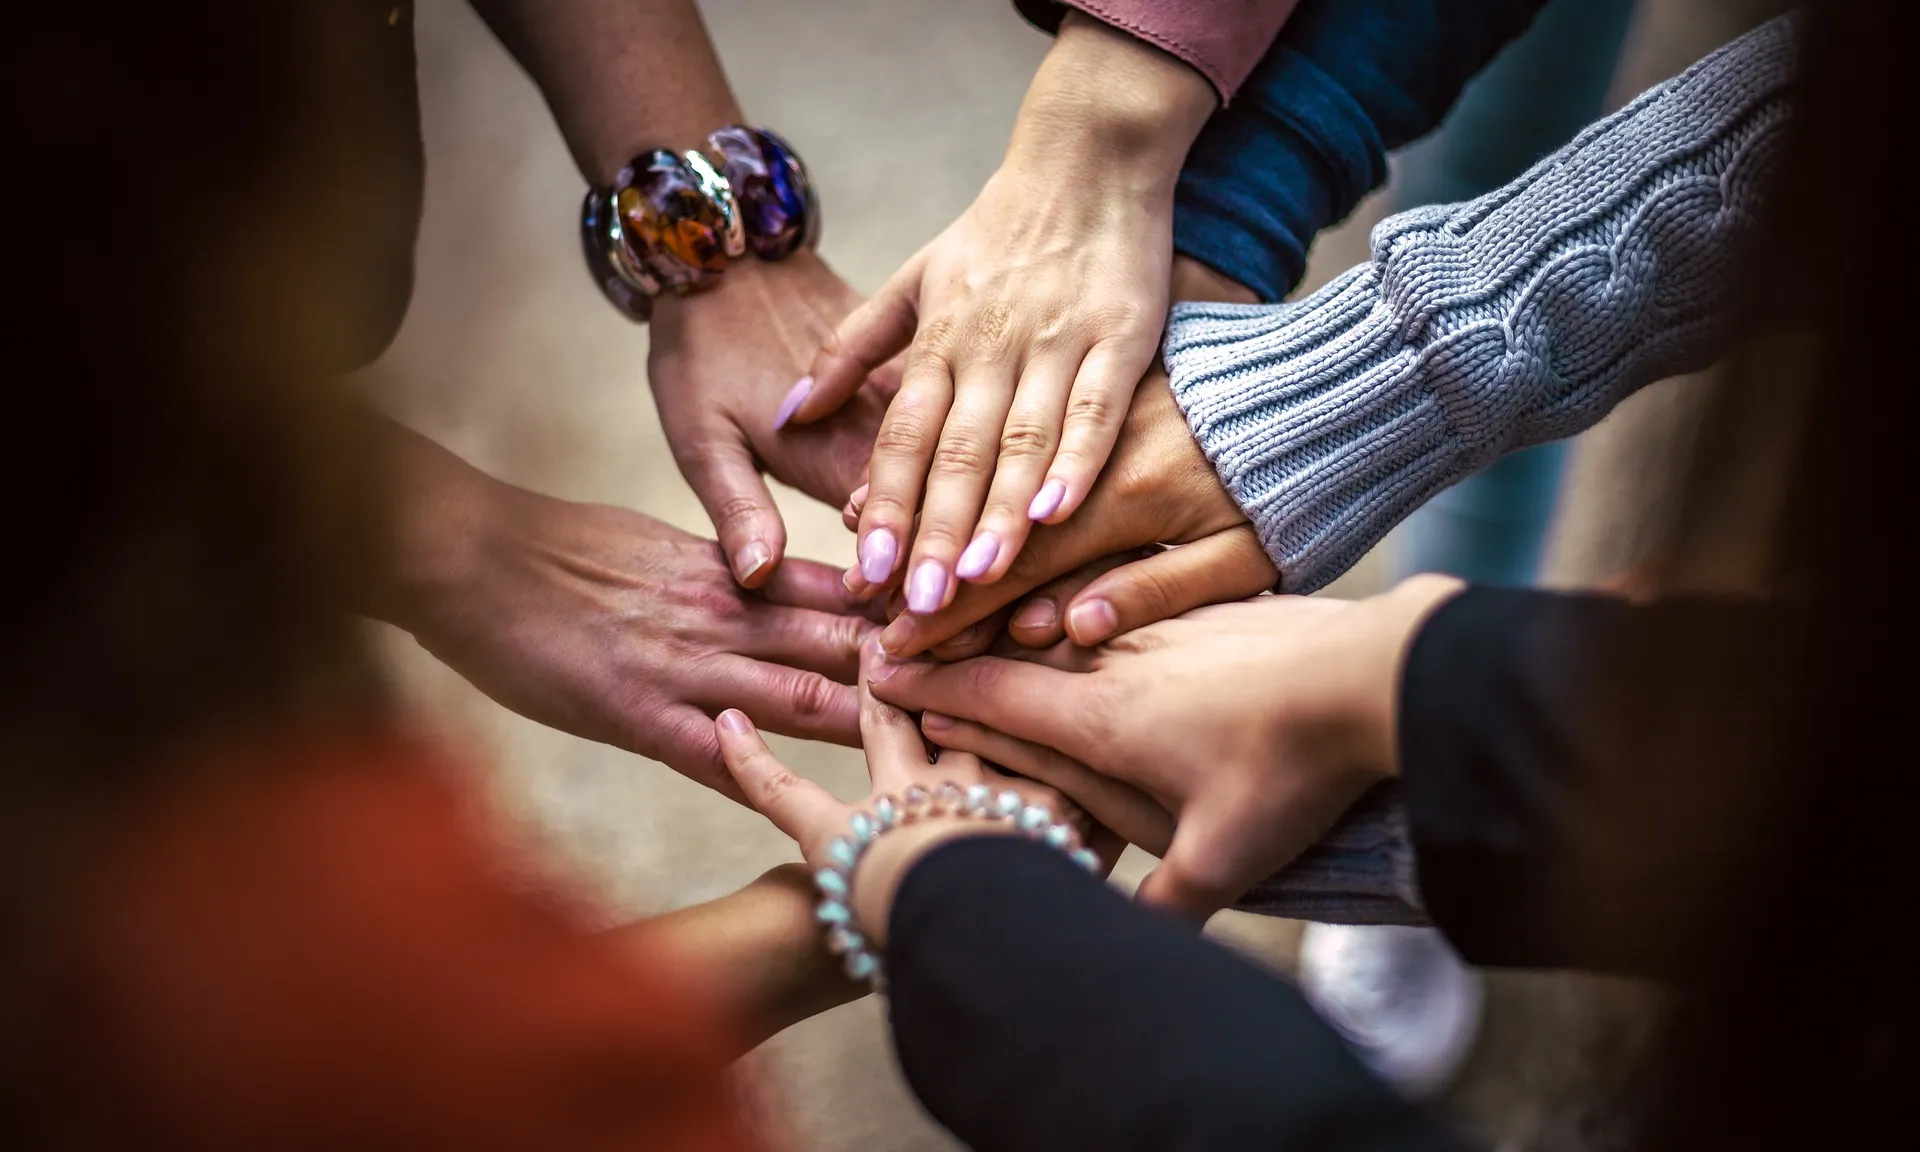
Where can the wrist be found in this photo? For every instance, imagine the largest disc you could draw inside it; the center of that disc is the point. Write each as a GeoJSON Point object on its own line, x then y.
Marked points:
{"type": "Point", "coordinates": [887, 862]}
{"type": "Point", "coordinates": [1394, 620]}
{"type": "Point", "coordinates": [1196, 282]}
{"type": "Point", "coordinates": [446, 511]}
{"type": "Point", "coordinates": [747, 288]}
{"type": "Point", "coordinates": [1110, 107]}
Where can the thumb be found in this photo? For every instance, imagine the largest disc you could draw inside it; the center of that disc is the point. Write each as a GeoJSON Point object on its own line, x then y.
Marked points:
{"type": "Point", "coordinates": [724, 476]}
{"type": "Point", "coordinates": [1210, 862]}
{"type": "Point", "coordinates": [1226, 566]}
{"type": "Point", "coordinates": [796, 806]}
{"type": "Point", "coordinates": [871, 335]}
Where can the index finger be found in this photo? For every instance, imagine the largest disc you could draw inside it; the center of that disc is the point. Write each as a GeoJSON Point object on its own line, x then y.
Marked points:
{"type": "Point", "coordinates": [895, 751]}
{"type": "Point", "coordinates": [1035, 703]}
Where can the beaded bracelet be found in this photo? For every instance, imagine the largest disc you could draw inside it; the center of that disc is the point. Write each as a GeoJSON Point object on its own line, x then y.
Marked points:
{"type": "Point", "coordinates": [844, 854]}
{"type": "Point", "coordinates": [672, 221]}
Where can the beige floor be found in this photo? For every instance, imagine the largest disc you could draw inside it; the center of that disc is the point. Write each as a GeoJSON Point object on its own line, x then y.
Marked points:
{"type": "Point", "coordinates": [509, 357]}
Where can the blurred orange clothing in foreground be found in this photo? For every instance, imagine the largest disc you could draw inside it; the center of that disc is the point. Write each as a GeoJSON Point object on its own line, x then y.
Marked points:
{"type": "Point", "coordinates": [332, 951]}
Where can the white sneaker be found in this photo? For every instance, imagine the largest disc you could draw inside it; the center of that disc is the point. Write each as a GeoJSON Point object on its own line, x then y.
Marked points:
{"type": "Point", "coordinates": [1409, 1007]}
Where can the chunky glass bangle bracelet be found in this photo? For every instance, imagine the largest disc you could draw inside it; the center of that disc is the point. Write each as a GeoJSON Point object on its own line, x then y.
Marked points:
{"type": "Point", "coordinates": [773, 190]}
{"type": "Point", "coordinates": [844, 853]}
{"type": "Point", "coordinates": [672, 221]}
{"type": "Point", "coordinates": [629, 288]}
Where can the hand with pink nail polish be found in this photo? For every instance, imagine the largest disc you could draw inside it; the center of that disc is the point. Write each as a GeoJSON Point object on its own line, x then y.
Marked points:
{"type": "Point", "coordinates": [723, 365]}
{"type": "Point", "coordinates": [1028, 322]}
{"type": "Point", "coordinates": [1159, 489]}
{"type": "Point", "coordinates": [1229, 739]}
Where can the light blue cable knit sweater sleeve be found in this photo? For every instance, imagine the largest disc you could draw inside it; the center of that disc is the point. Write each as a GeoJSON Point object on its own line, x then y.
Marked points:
{"type": "Point", "coordinates": [1484, 327]}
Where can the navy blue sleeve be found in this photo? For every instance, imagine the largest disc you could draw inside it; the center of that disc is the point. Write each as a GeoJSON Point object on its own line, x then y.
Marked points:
{"type": "Point", "coordinates": [1308, 136]}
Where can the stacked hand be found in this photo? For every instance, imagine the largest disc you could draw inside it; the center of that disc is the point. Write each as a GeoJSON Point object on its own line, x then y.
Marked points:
{"type": "Point", "coordinates": [613, 626]}
{"type": "Point", "coordinates": [1227, 741]}
{"type": "Point", "coordinates": [1158, 489]}
{"type": "Point", "coordinates": [719, 365]}
{"type": "Point", "coordinates": [1026, 324]}
{"type": "Point", "coordinates": [896, 760]}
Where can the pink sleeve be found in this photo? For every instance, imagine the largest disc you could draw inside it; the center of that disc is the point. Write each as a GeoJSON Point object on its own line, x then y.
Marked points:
{"type": "Point", "coordinates": [1221, 39]}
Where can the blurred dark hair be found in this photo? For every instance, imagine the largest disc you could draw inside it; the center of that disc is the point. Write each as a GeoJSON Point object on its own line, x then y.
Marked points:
{"type": "Point", "coordinates": [1799, 1031]}
{"type": "Point", "coordinates": [189, 503]}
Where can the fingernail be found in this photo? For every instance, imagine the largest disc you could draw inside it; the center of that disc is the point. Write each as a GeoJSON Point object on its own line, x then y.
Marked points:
{"type": "Point", "coordinates": [877, 554]}
{"type": "Point", "coordinates": [934, 722]}
{"type": "Point", "coordinates": [796, 397]}
{"type": "Point", "coordinates": [1037, 614]}
{"type": "Point", "coordinates": [927, 588]}
{"type": "Point", "coordinates": [879, 666]}
{"type": "Point", "coordinates": [897, 635]}
{"type": "Point", "coordinates": [859, 498]}
{"type": "Point", "coordinates": [750, 559]}
{"type": "Point", "coordinates": [853, 582]}
{"type": "Point", "coordinates": [1048, 501]}
{"type": "Point", "coordinates": [1091, 621]}
{"type": "Point", "coordinates": [978, 557]}
{"type": "Point", "coordinates": [734, 720]}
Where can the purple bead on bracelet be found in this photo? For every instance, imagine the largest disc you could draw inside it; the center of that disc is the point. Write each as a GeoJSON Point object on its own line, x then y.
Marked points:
{"type": "Point", "coordinates": [673, 221]}
{"type": "Point", "coordinates": [771, 185]}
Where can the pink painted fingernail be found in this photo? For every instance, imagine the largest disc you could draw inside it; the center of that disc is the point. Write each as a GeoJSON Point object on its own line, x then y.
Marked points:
{"type": "Point", "coordinates": [978, 557]}
{"type": "Point", "coordinates": [1048, 501]}
{"type": "Point", "coordinates": [796, 397]}
{"type": "Point", "coordinates": [877, 554]}
{"type": "Point", "coordinates": [934, 722]}
{"type": "Point", "coordinates": [1092, 621]}
{"type": "Point", "coordinates": [927, 588]}
{"type": "Point", "coordinates": [736, 721]}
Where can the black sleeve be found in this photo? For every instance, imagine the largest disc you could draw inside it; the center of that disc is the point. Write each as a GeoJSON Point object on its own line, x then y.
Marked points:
{"type": "Point", "coordinates": [1035, 1008]}
{"type": "Point", "coordinates": [1565, 762]}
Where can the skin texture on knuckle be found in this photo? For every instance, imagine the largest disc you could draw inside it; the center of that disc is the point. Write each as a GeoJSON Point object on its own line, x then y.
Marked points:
{"type": "Point", "coordinates": [991, 334]}
{"type": "Point", "coordinates": [771, 779]}
{"type": "Point", "coordinates": [812, 698]}
{"type": "Point", "coordinates": [1093, 405]}
{"type": "Point", "coordinates": [1024, 438]}
{"type": "Point", "coordinates": [959, 453]}
{"type": "Point", "coordinates": [708, 604]}
{"type": "Point", "coordinates": [906, 430]}
{"type": "Point", "coordinates": [1122, 322]}
{"type": "Point", "coordinates": [933, 345]}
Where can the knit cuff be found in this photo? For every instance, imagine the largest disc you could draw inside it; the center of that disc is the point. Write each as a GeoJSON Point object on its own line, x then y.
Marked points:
{"type": "Point", "coordinates": [1479, 328]}
{"type": "Point", "coordinates": [1361, 872]}
{"type": "Point", "coordinates": [1305, 413]}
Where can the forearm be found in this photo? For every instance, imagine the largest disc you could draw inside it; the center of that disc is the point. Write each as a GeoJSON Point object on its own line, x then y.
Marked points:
{"type": "Point", "coordinates": [621, 76]}
{"type": "Point", "coordinates": [1482, 328]}
{"type": "Point", "coordinates": [758, 951]}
